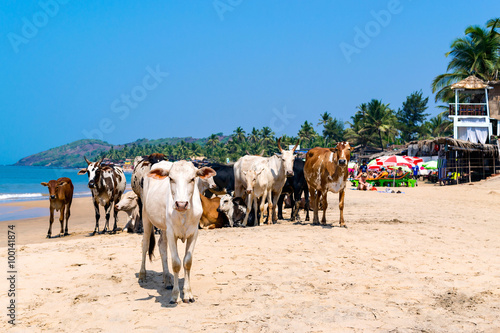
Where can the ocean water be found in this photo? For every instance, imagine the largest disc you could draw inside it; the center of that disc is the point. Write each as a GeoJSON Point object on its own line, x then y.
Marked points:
{"type": "Point", "coordinates": [22, 183]}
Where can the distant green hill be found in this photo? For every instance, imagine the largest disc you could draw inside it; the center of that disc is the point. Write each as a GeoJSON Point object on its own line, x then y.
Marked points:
{"type": "Point", "coordinates": [71, 155]}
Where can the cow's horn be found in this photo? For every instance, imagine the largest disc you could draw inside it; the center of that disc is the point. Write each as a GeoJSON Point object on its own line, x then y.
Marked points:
{"type": "Point", "coordinates": [86, 160]}
{"type": "Point", "coordinates": [100, 161]}
{"type": "Point", "coordinates": [296, 145]}
{"type": "Point", "coordinates": [279, 145]}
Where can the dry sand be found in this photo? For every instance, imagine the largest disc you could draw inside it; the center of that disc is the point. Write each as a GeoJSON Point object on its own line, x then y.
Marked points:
{"type": "Point", "coordinates": [427, 260]}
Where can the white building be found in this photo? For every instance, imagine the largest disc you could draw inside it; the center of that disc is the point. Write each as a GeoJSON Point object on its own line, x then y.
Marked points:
{"type": "Point", "coordinates": [471, 114]}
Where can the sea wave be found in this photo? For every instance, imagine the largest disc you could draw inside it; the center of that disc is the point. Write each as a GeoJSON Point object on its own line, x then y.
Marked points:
{"type": "Point", "coordinates": [19, 196]}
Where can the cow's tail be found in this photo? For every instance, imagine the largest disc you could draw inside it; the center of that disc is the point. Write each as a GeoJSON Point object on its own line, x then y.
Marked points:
{"type": "Point", "coordinates": [152, 243]}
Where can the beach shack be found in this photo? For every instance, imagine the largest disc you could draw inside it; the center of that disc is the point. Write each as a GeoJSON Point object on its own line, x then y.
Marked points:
{"type": "Point", "coordinates": [476, 110]}
{"type": "Point", "coordinates": [462, 161]}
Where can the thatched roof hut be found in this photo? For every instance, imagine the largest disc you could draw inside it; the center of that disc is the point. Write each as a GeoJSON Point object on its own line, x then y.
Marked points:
{"type": "Point", "coordinates": [471, 82]}
{"type": "Point", "coordinates": [455, 144]}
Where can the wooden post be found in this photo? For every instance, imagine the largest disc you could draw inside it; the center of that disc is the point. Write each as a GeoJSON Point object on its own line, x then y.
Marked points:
{"type": "Point", "coordinates": [468, 158]}
{"type": "Point", "coordinates": [456, 165]}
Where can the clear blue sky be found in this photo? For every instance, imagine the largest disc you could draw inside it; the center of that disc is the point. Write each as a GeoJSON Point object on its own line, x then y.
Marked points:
{"type": "Point", "coordinates": [83, 68]}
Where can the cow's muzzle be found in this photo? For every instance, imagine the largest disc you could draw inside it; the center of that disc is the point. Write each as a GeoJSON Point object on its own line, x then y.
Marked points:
{"type": "Point", "coordinates": [181, 206]}
{"type": "Point", "coordinates": [249, 191]}
{"type": "Point", "coordinates": [342, 162]}
{"type": "Point", "coordinates": [289, 174]}
{"type": "Point", "coordinates": [91, 184]}
{"type": "Point", "coordinates": [52, 196]}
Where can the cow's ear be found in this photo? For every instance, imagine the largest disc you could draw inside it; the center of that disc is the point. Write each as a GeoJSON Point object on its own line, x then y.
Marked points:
{"type": "Point", "coordinates": [333, 149]}
{"type": "Point", "coordinates": [158, 173]}
{"type": "Point", "coordinates": [62, 183]}
{"type": "Point", "coordinates": [206, 172]}
{"type": "Point", "coordinates": [45, 184]}
{"type": "Point", "coordinates": [82, 171]}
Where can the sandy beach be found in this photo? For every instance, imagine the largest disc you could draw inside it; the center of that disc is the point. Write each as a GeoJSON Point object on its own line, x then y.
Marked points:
{"type": "Point", "coordinates": [426, 260]}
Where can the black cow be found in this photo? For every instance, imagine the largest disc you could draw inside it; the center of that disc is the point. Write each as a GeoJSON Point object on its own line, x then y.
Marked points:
{"type": "Point", "coordinates": [224, 179]}
{"type": "Point", "coordinates": [294, 186]}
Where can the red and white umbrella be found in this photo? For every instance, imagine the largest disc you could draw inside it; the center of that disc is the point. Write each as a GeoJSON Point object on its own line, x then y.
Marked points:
{"type": "Point", "coordinates": [414, 159]}
{"type": "Point", "coordinates": [395, 161]}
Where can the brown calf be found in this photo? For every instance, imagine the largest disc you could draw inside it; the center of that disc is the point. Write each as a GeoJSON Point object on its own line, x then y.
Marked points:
{"type": "Point", "coordinates": [61, 196]}
{"type": "Point", "coordinates": [211, 217]}
{"type": "Point", "coordinates": [326, 170]}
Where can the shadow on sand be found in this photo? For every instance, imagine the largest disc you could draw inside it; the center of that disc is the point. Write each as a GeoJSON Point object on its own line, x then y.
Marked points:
{"type": "Point", "coordinates": [154, 281]}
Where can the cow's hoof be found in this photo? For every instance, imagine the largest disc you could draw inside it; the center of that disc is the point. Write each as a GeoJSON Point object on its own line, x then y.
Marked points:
{"type": "Point", "coordinates": [343, 226]}
{"type": "Point", "coordinates": [142, 276]}
{"type": "Point", "coordinates": [66, 234]}
{"type": "Point", "coordinates": [307, 219]}
{"type": "Point", "coordinates": [48, 236]}
{"type": "Point", "coordinates": [188, 300]}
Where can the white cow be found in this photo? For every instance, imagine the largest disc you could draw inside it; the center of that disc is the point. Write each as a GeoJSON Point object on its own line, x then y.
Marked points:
{"type": "Point", "coordinates": [129, 205]}
{"type": "Point", "coordinates": [259, 180]}
{"type": "Point", "coordinates": [172, 204]}
{"type": "Point", "coordinates": [281, 166]}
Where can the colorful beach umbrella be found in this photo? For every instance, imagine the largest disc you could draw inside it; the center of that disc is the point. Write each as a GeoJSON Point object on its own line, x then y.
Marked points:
{"type": "Point", "coordinates": [430, 165]}
{"type": "Point", "coordinates": [394, 160]}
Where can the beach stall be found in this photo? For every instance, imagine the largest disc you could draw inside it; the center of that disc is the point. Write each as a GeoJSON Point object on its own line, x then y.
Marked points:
{"type": "Point", "coordinates": [459, 161]}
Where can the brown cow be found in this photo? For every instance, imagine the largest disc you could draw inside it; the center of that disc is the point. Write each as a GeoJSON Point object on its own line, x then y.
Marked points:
{"type": "Point", "coordinates": [212, 218]}
{"type": "Point", "coordinates": [326, 170]}
{"type": "Point", "coordinates": [61, 196]}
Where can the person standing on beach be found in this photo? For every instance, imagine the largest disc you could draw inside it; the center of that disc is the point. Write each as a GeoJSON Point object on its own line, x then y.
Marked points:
{"type": "Point", "coordinates": [415, 170]}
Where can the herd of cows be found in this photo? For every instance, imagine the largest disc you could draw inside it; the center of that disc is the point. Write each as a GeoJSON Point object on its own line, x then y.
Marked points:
{"type": "Point", "coordinates": [178, 198]}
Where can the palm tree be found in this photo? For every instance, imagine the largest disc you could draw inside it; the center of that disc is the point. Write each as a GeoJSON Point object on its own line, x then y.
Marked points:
{"type": "Point", "coordinates": [213, 140]}
{"type": "Point", "coordinates": [254, 136]}
{"type": "Point", "coordinates": [438, 126]}
{"type": "Point", "coordinates": [239, 134]}
{"type": "Point", "coordinates": [325, 118]}
{"type": "Point", "coordinates": [307, 132]}
{"type": "Point", "coordinates": [477, 53]}
{"type": "Point", "coordinates": [379, 120]}
{"type": "Point", "coordinates": [267, 138]}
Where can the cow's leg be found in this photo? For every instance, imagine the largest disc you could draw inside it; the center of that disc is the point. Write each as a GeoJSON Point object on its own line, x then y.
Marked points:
{"type": "Point", "coordinates": [249, 209]}
{"type": "Point", "coordinates": [163, 247]}
{"type": "Point", "coordinates": [97, 216]}
{"type": "Point", "coordinates": [268, 196]}
{"type": "Point", "coordinates": [115, 215]}
{"type": "Point", "coordinates": [297, 193]}
{"type": "Point", "coordinates": [146, 238]}
{"type": "Point", "coordinates": [306, 195]}
{"type": "Point", "coordinates": [324, 206]}
{"type": "Point", "coordinates": [260, 208]}
{"type": "Point", "coordinates": [176, 266]}
{"type": "Point", "coordinates": [280, 206]}
{"type": "Point", "coordinates": [188, 261]}
{"type": "Point", "coordinates": [273, 203]}
{"type": "Point", "coordinates": [68, 214]}
{"type": "Point", "coordinates": [139, 228]}
{"type": "Point", "coordinates": [341, 207]}
{"type": "Point", "coordinates": [314, 201]}
{"type": "Point", "coordinates": [107, 209]}
{"type": "Point", "coordinates": [61, 220]}
{"type": "Point", "coordinates": [51, 220]}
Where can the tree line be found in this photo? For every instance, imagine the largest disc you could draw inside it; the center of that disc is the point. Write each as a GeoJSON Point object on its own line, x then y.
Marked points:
{"type": "Point", "coordinates": [374, 122]}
